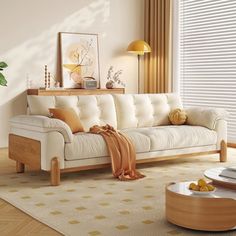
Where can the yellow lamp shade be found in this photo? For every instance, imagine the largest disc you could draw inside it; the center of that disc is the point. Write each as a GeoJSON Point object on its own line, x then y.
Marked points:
{"type": "Point", "coordinates": [139, 47]}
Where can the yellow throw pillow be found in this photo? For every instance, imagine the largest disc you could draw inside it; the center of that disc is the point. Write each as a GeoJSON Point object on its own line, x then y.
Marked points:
{"type": "Point", "coordinates": [69, 116]}
{"type": "Point", "coordinates": [177, 117]}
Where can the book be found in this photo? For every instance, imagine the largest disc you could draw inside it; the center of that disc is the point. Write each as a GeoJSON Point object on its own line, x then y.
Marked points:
{"type": "Point", "coordinates": [232, 168]}
{"type": "Point", "coordinates": [228, 173]}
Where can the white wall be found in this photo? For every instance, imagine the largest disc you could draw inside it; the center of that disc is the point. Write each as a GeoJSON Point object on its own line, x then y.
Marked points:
{"type": "Point", "coordinates": [28, 41]}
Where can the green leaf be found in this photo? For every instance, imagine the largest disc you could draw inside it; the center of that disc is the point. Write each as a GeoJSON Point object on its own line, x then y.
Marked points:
{"type": "Point", "coordinates": [3, 81]}
{"type": "Point", "coordinates": [3, 64]}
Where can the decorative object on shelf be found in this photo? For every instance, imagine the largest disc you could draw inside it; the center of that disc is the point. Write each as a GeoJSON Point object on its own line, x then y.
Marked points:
{"type": "Point", "coordinates": [113, 78]}
{"type": "Point", "coordinates": [3, 81]}
{"type": "Point", "coordinates": [49, 80]}
{"type": "Point", "coordinates": [79, 58]}
{"type": "Point", "coordinates": [139, 47]}
{"type": "Point", "coordinates": [54, 83]}
{"type": "Point", "coordinates": [57, 85]}
{"type": "Point", "coordinates": [89, 83]}
{"type": "Point", "coordinates": [45, 76]}
{"type": "Point", "coordinates": [110, 84]}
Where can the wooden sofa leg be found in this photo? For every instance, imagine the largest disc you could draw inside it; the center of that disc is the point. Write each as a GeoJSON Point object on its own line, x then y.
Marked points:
{"type": "Point", "coordinates": [223, 151]}
{"type": "Point", "coordinates": [20, 167]}
{"type": "Point", "coordinates": [55, 172]}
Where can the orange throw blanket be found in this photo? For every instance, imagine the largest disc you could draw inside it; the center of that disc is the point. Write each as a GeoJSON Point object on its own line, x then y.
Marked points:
{"type": "Point", "coordinates": [121, 150]}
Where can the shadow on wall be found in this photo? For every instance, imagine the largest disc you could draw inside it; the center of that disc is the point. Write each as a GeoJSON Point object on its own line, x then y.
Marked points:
{"type": "Point", "coordinates": [30, 57]}
{"type": "Point", "coordinates": [16, 106]}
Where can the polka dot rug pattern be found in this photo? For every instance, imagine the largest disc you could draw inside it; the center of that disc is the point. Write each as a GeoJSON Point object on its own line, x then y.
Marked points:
{"type": "Point", "coordinates": [94, 203]}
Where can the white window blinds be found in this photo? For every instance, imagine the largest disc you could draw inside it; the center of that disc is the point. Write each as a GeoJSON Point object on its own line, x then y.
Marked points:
{"type": "Point", "coordinates": [207, 56]}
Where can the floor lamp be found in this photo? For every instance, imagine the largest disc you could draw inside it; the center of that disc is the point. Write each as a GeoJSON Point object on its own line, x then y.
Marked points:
{"type": "Point", "coordinates": [139, 47]}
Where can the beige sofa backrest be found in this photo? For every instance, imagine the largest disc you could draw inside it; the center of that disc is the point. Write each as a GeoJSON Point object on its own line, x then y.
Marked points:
{"type": "Point", "coordinates": [121, 111]}
{"type": "Point", "coordinates": [92, 109]}
{"type": "Point", "coordinates": [144, 110]}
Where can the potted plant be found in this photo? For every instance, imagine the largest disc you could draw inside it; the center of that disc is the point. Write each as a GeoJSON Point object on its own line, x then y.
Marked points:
{"type": "Point", "coordinates": [113, 78]}
{"type": "Point", "coordinates": [3, 81]}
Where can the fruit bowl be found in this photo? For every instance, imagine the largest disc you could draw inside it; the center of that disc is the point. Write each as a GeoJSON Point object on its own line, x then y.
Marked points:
{"type": "Point", "coordinates": [202, 193]}
{"type": "Point", "coordinates": [201, 187]}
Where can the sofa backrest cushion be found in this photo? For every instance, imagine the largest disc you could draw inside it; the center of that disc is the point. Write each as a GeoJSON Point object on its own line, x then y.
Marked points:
{"type": "Point", "coordinates": [91, 109]}
{"type": "Point", "coordinates": [144, 110]}
{"type": "Point", "coordinates": [120, 111]}
{"type": "Point", "coordinates": [38, 105]}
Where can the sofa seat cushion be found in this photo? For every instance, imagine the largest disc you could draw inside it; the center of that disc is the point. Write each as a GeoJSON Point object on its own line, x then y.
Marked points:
{"type": "Point", "coordinates": [173, 137]}
{"type": "Point", "coordinates": [87, 145]}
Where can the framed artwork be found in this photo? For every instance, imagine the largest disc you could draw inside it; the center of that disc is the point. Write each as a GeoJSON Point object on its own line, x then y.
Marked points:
{"type": "Point", "coordinates": [79, 59]}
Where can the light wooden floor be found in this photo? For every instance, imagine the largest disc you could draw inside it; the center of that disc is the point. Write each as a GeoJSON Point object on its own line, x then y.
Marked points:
{"type": "Point", "coordinates": [14, 222]}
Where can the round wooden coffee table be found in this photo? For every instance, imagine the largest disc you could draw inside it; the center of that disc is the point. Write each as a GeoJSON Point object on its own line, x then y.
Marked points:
{"type": "Point", "coordinates": [214, 175]}
{"type": "Point", "coordinates": [214, 212]}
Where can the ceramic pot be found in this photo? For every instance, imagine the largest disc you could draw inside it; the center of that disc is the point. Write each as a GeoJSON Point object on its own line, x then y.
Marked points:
{"type": "Point", "coordinates": [110, 84]}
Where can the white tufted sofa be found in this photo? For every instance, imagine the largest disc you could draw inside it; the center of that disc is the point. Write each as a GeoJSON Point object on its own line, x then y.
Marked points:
{"type": "Point", "coordinates": [142, 117]}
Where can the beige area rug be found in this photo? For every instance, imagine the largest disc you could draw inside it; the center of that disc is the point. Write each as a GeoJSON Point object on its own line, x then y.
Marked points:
{"type": "Point", "coordinates": [93, 203]}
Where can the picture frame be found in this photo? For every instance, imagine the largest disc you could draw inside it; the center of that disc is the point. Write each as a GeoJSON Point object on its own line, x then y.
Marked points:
{"type": "Point", "coordinates": [79, 55]}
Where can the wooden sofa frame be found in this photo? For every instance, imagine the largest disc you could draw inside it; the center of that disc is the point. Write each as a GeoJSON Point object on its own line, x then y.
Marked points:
{"type": "Point", "coordinates": [27, 151]}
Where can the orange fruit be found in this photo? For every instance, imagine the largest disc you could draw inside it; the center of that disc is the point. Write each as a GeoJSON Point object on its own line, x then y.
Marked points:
{"type": "Point", "coordinates": [210, 187]}
{"type": "Point", "coordinates": [202, 183]}
{"type": "Point", "coordinates": [204, 189]}
{"type": "Point", "coordinates": [192, 186]}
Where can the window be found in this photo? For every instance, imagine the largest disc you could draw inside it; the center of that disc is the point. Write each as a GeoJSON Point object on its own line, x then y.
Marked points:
{"type": "Point", "coordinates": [207, 56]}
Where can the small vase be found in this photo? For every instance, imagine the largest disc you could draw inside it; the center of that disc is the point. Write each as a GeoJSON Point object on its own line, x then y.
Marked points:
{"type": "Point", "coordinates": [109, 84]}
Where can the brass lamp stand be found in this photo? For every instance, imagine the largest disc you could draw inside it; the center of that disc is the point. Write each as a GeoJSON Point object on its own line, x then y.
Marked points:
{"type": "Point", "coordinates": [139, 47]}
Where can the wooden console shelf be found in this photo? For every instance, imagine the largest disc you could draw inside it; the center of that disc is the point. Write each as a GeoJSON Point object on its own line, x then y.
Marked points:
{"type": "Point", "coordinates": [71, 92]}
